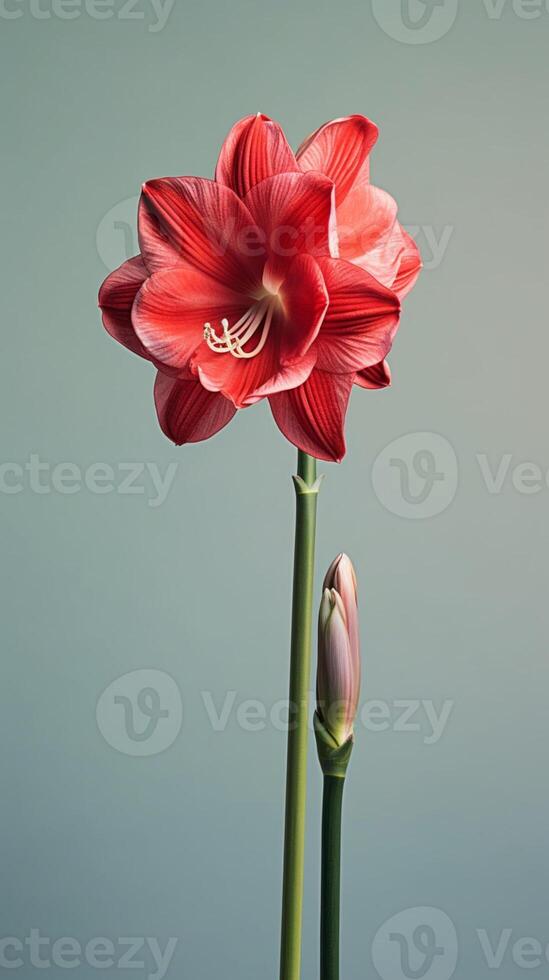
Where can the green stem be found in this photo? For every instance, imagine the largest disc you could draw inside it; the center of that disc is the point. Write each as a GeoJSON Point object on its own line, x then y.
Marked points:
{"type": "Point", "coordinates": [300, 668]}
{"type": "Point", "coordinates": [331, 877]}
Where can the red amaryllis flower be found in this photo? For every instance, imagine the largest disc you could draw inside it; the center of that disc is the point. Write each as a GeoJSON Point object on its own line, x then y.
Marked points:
{"type": "Point", "coordinates": [238, 294]}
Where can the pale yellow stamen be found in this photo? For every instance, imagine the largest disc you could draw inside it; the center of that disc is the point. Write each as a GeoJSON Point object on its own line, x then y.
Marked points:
{"type": "Point", "coordinates": [256, 320]}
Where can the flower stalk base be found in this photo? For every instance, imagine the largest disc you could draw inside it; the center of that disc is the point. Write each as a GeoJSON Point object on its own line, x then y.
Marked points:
{"type": "Point", "coordinates": [306, 488]}
{"type": "Point", "coordinates": [331, 877]}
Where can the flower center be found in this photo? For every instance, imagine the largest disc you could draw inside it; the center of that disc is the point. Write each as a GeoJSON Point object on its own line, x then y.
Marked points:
{"type": "Point", "coordinates": [256, 321]}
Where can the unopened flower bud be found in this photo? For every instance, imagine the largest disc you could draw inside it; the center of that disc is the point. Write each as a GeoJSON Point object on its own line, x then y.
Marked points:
{"type": "Point", "coordinates": [338, 676]}
{"type": "Point", "coordinates": [341, 577]}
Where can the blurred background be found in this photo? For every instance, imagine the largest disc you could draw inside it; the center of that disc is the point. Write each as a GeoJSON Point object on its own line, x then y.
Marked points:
{"type": "Point", "coordinates": [146, 588]}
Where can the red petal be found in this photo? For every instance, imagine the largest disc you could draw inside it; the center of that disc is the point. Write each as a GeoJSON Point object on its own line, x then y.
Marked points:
{"type": "Point", "coordinates": [340, 149]}
{"type": "Point", "coordinates": [256, 148]}
{"type": "Point", "coordinates": [312, 416]}
{"type": "Point", "coordinates": [172, 307]}
{"type": "Point", "coordinates": [304, 299]}
{"type": "Point", "coordinates": [194, 222]}
{"type": "Point", "coordinates": [361, 321]}
{"type": "Point", "coordinates": [376, 376]}
{"type": "Point", "coordinates": [247, 381]}
{"type": "Point", "coordinates": [285, 378]}
{"type": "Point", "coordinates": [187, 412]}
{"type": "Point", "coordinates": [409, 268]}
{"type": "Point", "coordinates": [295, 211]}
{"type": "Point", "coordinates": [366, 221]}
{"type": "Point", "coordinates": [116, 298]}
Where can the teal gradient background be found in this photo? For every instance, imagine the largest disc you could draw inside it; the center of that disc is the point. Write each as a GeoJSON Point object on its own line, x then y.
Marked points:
{"type": "Point", "coordinates": [187, 843]}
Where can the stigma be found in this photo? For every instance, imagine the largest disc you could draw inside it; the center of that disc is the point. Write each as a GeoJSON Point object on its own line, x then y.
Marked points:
{"type": "Point", "coordinates": [254, 325]}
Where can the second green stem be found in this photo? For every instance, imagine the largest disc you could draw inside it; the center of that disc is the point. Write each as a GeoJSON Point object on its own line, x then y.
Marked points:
{"type": "Point", "coordinates": [331, 877]}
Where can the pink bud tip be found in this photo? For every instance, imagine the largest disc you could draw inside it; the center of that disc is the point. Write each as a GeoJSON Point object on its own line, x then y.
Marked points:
{"type": "Point", "coordinates": [338, 675]}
